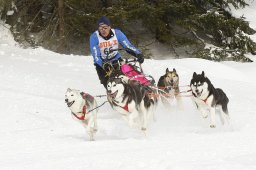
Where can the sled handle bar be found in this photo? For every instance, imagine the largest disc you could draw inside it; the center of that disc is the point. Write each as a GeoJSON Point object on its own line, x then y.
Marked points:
{"type": "Point", "coordinates": [128, 50]}
{"type": "Point", "coordinates": [120, 49]}
{"type": "Point", "coordinates": [131, 60]}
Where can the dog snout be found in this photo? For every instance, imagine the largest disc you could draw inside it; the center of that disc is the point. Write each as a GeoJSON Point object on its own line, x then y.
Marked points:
{"type": "Point", "coordinates": [109, 91]}
{"type": "Point", "coordinates": [66, 100]}
{"type": "Point", "coordinates": [197, 92]}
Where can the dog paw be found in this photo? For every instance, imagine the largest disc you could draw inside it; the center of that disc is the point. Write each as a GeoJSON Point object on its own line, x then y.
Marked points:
{"type": "Point", "coordinates": [204, 116]}
{"type": "Point", "coordinates": [212, 126]}
{"type": "Point", "coordinates": [143, 129]}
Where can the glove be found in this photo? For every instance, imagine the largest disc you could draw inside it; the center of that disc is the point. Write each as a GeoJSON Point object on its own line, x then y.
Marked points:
{"type": "Point", "coordinates": [107, 66]}
{"type": "Point", "coordinates": [140, 58]}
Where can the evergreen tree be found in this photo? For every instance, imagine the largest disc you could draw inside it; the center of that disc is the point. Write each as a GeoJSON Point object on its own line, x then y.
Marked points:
{"type": "Point", "coordinates": [202, 28]}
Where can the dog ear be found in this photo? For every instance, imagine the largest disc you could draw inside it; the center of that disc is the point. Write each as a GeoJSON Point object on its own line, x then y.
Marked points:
{"type": "Point", "coordinates": [194, 74]}
{"type": "Point", "coordinates": [68, 89]}
{"type": "Point", "coordinates": [167, 71]}
{"type": "Point", "coordinates": [203, 74]}
{"type": "Point", "coordinates": [174, 70]}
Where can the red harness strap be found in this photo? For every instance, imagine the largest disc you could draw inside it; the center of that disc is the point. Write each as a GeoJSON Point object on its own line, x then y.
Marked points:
{"type": "Point", "coordinates": [205, 100]}
{"type": "Point", "coordinates": [80, 118]}
{"type": "Point", "coordinates": [126, 107]}
{"type": "Point", "coordinates": [84, 108]}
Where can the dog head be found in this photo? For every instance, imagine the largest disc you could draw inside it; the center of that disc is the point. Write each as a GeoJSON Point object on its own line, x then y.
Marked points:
{"type": "Point", "coordinates": [199, 84]}
{"type": "Point", "coordinates": [115, 88]}
{"type": "Point", "coordinates": [171, 78]}
{"type": "Point", "coordinates": [71, 96]}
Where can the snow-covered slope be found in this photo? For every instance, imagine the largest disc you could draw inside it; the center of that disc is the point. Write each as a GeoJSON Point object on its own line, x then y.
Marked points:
{"type": "Point", "coordinates": [37, 131]}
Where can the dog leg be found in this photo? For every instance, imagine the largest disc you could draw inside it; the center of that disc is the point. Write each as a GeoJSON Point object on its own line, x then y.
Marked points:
{"type": "Point", "coordinates": [146, 113]}
{"type": "Point", "coordinates": [203, 112]}
{"type": "Point", "coordinates": [179, 102]}
{"type": "Point", "coordinates": [144, 121]}
{"type": "Point", "coordinates": [166, 102]}
{"type": "Point", "coordinates": [152, 115]}
{"type": "Point", "coordinates": [95, 127]}
{"type": "Point", "coordinates": [213, 113]}
{"type": "Point", "coordinates": [222, 118]}
{"type": "Point", "coordinates": [222, 115]}
{"type": "Point", "coordinates": [131, 118]}
{"type": "Point", "coordinates": [90, 129]}
{"type": "Point", "coordinates": [225, 116]}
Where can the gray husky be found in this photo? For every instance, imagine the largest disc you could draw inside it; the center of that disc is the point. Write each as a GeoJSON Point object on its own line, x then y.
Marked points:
{"type": "Point", "coordinates": [131, 100]}
{"type": "Point", "coordinates": [168, 86]}
{"type": "Point", "coordinates": [81, 106]}
{"type": "Point", "coordinates": [206, 97]}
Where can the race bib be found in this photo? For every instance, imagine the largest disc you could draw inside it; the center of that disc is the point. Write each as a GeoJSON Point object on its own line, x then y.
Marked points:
{"type": "Point", "coordinates": [106, 46]}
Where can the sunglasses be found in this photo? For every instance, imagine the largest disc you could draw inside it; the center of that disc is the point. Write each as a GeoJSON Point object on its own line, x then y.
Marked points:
{"type": "Point", "coordinates": [103, 28]}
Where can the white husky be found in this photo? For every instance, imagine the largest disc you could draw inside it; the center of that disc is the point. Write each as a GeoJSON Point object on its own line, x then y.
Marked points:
{"type": "Point", "coordinates": [82, 106]}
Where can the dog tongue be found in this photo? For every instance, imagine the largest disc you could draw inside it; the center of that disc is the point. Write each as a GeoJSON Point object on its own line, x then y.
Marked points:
{"type": "Point", "coordinates": [70, 103]}
{"type": "Point", "coordinates": [113, 95]}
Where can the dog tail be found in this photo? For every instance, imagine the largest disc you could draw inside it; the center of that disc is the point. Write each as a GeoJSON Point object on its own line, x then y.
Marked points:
{"type": "Point", "coordinates": [225, 105]}
{"type": "Point", "coordinates": [225, 108]}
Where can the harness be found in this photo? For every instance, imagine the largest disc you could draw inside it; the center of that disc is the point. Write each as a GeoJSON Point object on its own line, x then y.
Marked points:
{"type": "Point", "coordinates": [125, 107]}
{"type": "Point", "coordinates": [84, 108]}
{"type": "Point", "coordinates": [205, 100]}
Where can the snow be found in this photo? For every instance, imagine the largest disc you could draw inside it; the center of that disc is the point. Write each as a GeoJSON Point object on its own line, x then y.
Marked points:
{"type": "Point", "coordinates": [37, 131]}
{"type": "Point", "coordinates": [10, 12]}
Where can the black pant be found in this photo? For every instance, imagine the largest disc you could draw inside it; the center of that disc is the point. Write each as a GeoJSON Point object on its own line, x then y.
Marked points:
{"type": "Point", "coordinates": [102, 75]}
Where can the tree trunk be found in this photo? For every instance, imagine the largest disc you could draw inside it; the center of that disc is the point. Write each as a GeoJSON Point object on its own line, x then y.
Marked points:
{"type": "Point", "coordinates": [61, 47]}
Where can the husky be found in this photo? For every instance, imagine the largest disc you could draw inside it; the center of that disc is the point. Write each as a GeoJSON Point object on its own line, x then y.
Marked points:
{"type": "Point", "coordinates": [82, 106]}
{"type": "Point", "coordinates": [131, 101]}
{"type": "Point", "coordinates": [168, 86]}
{"type": "Point", "coordinates": [206, 97]}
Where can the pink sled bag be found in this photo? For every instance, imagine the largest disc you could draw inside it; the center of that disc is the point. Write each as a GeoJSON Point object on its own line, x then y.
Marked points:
{"type": "Point", "coordinates": [129, 71]}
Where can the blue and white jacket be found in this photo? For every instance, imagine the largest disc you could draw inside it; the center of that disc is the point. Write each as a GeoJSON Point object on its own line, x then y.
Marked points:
{"type": "Point", "coordinates": [100, 47]}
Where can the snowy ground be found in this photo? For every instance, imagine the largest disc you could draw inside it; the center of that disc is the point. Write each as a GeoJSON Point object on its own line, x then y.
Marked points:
{"type": "Point", "coordinates": [37, 131]}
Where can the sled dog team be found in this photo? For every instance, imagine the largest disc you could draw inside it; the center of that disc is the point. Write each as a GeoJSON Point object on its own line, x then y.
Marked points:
{"type": "Point", "coordinates": [137, 102]}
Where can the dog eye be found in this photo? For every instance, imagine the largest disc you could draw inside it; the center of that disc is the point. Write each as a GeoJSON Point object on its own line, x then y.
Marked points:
{"type": "Point", "coordinates": [72, 95]}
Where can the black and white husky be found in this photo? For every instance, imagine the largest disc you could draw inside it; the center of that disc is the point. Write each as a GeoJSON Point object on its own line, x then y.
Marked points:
{"type": "Point", "coordinates": [82, 106]}
{"type": "Point", "coordinates": [206, 97]}
{"type": "Point", "coordinates": [131, 100]}
{"type": "Point", "coordinates": [168, 86]}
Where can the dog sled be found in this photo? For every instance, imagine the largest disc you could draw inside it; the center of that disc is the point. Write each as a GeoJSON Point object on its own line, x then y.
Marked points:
{"type": "Point", "coordinates": [131, 68]}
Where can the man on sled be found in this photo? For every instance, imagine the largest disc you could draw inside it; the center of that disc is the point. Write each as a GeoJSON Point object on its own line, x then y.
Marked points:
{"type": "Point", "coordinates": [104, 45]}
